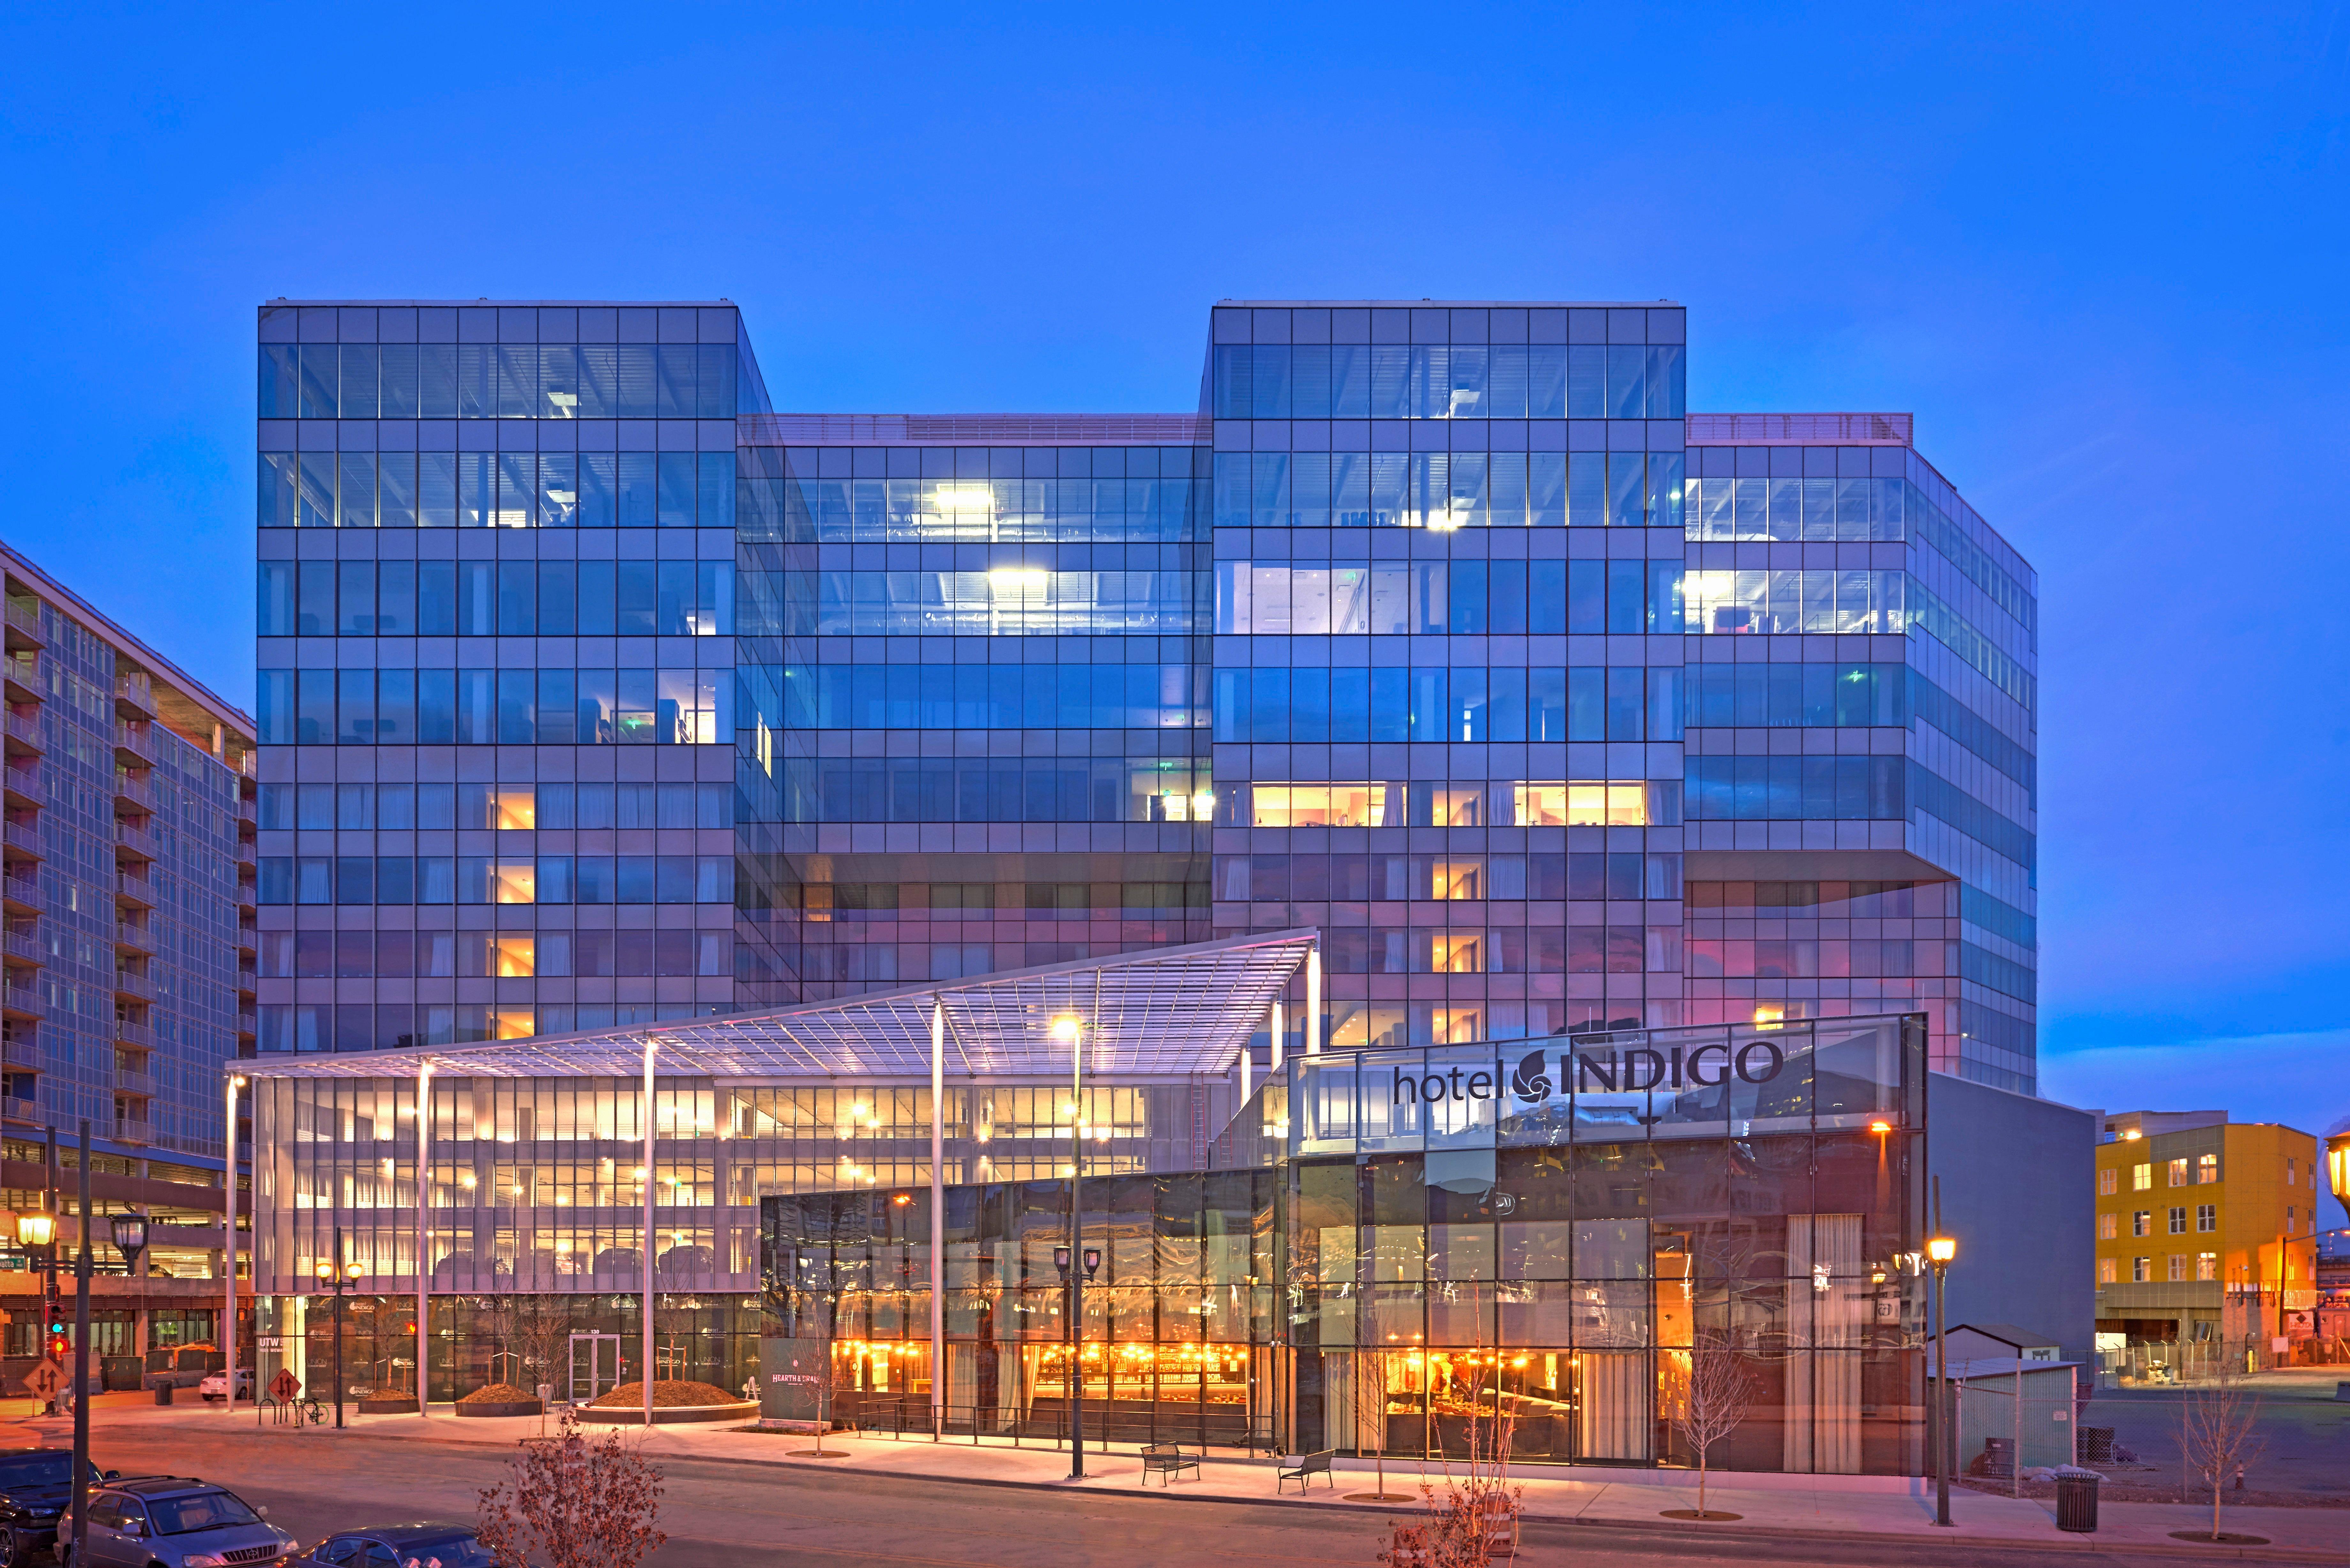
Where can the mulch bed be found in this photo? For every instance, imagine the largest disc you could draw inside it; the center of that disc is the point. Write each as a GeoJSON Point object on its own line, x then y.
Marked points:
{"type": "Point", "coordinates": [668, 1395]}
{"type": "Point", "coordinates": [2119, 1491]}
{"type": "Point", "coordinates": [500, 1394]}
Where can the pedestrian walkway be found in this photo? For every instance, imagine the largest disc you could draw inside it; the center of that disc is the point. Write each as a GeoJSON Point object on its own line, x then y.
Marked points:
{"type": "Point", "coordinates": [1886, 1508]}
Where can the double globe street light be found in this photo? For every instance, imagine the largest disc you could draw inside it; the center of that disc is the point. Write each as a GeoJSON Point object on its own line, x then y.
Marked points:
{"type": "Point", "coordinates": [341, 1279]}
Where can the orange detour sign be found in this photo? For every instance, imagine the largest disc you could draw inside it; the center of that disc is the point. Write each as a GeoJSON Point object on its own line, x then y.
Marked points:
{"type": "Point", "coordinates": [284, 1386]}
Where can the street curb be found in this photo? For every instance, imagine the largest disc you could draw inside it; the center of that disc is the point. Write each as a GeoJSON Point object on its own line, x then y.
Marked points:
{"type": "Point", "coordinates": [1688, 1529]}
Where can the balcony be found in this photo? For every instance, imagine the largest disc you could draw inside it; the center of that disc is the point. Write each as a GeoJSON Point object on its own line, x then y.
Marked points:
{"type": "Point", "coordinates": [131, 1080]}
{"type": "Point", "coordinates": [22, 676]}
{"type": "Point", "coordinates": [136, 891]}
{"type": "Point", "coordinates": [23, 624]}
{"type": "Point", "coordinates": [248, 855]}
{"type": "Point", "coordinates": [137, 939]}
{"type": "Point", "coordinates": [248, 939]}
{"type": "Point", "coordinates": [248, 1023]}
{"type": "Point", "coordinates": [21, 894]}
{"type": "Point", "coordinates": [21, 1055]}
{"type": "Point", "coordinates": [16, 1110]}
{"type": "Point", "coordinates": [21, 1001]}
{"type": "Point", "coordinates": [133, 1130]}
{"type": "Point", "coordinates": [247, 981]}
{"type": "Point", "coordinates": [24, 736]}
{"type": "Point", "coordinates": [25, 946]}
{"type": "Point", "coordinates": [139, 987]}
{"type": "Point", "coordinates": [135, 842]}
{"type": "Point", "coordinates": [133, 794]}
{"type": "Point", "coordinates": [133, 746]}
{"type": "Point", "coordinates": [22, 841]}
{"type": "Point", "coordinates": [23, 785]}
{"type": "Point", "coordinates": [137, 1034]}
{"type": "Point", "coordinates": [134, 696]}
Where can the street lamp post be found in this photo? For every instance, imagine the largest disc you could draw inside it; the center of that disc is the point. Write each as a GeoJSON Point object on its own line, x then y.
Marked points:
{"type": "Point", "coordinates": [341, 1277]}
{"type": "Point", "coordinates": [36, 1234]}
{"type": "Point", "coordinates": [131, 1240]}
{"type": "Point", "coordinates": [1939, 1251]}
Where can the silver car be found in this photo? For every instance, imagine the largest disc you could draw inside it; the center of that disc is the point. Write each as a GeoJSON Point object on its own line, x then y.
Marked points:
{"type": "Point", "coordinates": [174, 1520]}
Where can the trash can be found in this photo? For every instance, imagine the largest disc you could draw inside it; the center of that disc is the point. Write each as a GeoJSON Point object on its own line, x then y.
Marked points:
{"type": "Point", "coordinates": [1999, 1456]}
{"type": "Point", "coordinates": [163, 1392]}
{"type": "Point", "coordinates": [2076, 1503]}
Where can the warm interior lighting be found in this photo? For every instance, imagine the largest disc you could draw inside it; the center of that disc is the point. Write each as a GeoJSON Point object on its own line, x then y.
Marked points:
{"type": "Point", "coordinates": [964, 498]}
{"type": "Point", "coordinates": [1770, 1014]}
{"type": "Point", "coordinates": [513, 808]}
{"type": "Point", "coordinates": [1881, 1126]}
{"type": "Point", "coordinates": [2132, 1136]}
{"type": "Point", "coordinates": [1018, 579]}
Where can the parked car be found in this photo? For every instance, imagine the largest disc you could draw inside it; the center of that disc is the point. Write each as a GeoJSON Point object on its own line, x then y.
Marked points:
{"type": "Point", "coordinates": [423, 1545]}
{"type": "Point", "coordinates": [173, 1519]}
{"type": "Point", "coordinates": [181, 1365]}
{"type": "Point", "coordinates": [215, 1384]}
{"type": "Point", "coordinates": [36, 1484]}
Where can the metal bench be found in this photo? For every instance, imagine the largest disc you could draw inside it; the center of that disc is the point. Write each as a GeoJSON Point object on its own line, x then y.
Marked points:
{"type": "Point", "coordinates": [1307, 1465]}
{"type": "Point", "coordinates": [1167, 1461]}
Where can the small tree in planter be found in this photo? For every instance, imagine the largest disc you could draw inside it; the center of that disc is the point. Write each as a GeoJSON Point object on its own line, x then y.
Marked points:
{"type": "Point", "coordinates": [570, 1504]}
{"type": "Point", "coordinates": [2217, 1427]}
{"type": "Point", "coordinates": [1714, 1395]}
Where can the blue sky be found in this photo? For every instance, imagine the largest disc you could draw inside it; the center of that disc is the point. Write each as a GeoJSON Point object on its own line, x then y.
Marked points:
{"type": "Point", "coordinates": [2097, 250]}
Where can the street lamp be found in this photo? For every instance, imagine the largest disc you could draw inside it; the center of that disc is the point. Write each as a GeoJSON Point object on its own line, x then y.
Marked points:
{"type": "Point", "coordinates": [1939, 1251]}
{"type": "Point", "coordinates": [341, 1279]}
{"type": "Point", "coordinates": [36, 1232]}
{"type": "Point", "coordinates": [1076, 1282]}
{"type": "Point", "coordinates": [1068, 1028]}
{"type": "Point", "coordinates": [131, 1239]}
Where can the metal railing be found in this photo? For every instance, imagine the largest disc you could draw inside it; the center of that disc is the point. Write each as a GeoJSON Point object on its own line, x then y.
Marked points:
{"type": "Point", "coordinates": [137, 887]}
{"type": "Point", "coordinates": [16, 1110]}
{"type": "Point", "coordinates": [131, 1080]}
{"type": "Point", "coordinates": [137, 1034]}
{"type": "Point", "coordinates": [136, 840]}
{"type": "Point", "coordinates": [133, 1130]}
{"type": "Point", "coordinates": [22, 1053]}
{"type": "Point", "coordinates": [139, 985]}
{"type": "Point", "coordinates": [23, 998]}
{"type": "Point", "coordinates": [136, 741]}
{"type": "Point", "coordinates": [1799, 429]}
{"type": "Point", "coordinates": [25, 618]}
{"type": "Point", "coordinates": [971, 429]}
{"type": "Point", "coordinates": [25, 945]}
{"type": "Point", "coordinates": [27, 729]}
{"type": "Point", "coordinates": [134, 792]}
{"type": "Point", "coordinates": [1108, 1430]}
{"type": "Point", "coordinates": [127, 934]}
{"type": "Point", "coordinates": [23, 836]}
{"type": "Point", "coordinates": [137, 688]}
{"type": "Point", "coordinates": [24, 889]}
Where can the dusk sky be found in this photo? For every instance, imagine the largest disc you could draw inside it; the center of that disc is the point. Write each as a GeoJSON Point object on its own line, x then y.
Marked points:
{"type": "Point", "coordinates": [2099, 252]}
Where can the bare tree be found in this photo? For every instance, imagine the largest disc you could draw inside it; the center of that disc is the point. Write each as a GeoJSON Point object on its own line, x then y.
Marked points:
{"type": "Point", "coordinates": [2218, 1430]}
{"type": "Point", "coordinates": [566, 1502]}
{"type": "Point", "coordinates": [1712, 1397]}
{"type": "Point", "coordinates": [543, 1334]}
{"type": "Point", "coordinates": [499, 1318]}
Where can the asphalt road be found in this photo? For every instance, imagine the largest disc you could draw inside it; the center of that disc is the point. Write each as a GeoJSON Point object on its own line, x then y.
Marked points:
{"type": "Point", "coordinates": [734, 1516]}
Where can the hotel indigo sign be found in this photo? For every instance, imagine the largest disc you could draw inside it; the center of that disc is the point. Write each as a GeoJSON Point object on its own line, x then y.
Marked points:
{"type": "Point", "coordinates": [1538, 1076]}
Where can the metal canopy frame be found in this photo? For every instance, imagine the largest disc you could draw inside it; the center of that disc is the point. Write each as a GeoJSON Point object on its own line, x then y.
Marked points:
{"type": "Point", "coordinates": [1169, 1011]}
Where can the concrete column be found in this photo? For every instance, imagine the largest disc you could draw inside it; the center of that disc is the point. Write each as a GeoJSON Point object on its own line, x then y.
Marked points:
{"type": "Point", "coordinates": [938, 1219]}
{"type": "Point", "coordinates": [1277, 1036]}
{"type": "Point", "coordinates": [1313, 1000]}
{"type": "Point", "coordinates": [228, 1247]}
{"type": "Point", "coordinates": [645, 1374]}
{"type": "Point", "coordinates": [423, 1236]}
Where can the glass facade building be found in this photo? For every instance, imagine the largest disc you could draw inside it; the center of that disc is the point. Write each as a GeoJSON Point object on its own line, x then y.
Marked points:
{"type": "Point", "coordinates": [593, 691]}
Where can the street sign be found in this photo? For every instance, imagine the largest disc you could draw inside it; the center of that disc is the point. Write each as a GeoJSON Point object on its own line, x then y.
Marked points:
{"type": "Point", "coordinates": [42, 1380]}
{"type": "Point", "coordinates": [284, 1386]}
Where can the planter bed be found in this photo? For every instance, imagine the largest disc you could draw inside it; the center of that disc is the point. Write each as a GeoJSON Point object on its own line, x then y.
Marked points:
{"type": "Point", "coordinates": [386, 1405]}
{"type": "Point", "coordinates": [667, 1415]}
{"type": "Point", "coordinates": [494, 1407]}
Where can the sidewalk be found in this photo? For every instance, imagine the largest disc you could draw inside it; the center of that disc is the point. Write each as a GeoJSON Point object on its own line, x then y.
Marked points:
{"type": "Point", "coordinates": [1886, 1508]}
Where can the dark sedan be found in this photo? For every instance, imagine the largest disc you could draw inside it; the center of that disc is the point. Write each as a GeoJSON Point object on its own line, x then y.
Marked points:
{"type": "Point", "coordinates": [36, 1484]}
{"type": "Point", "coordinates": [419, 1545]}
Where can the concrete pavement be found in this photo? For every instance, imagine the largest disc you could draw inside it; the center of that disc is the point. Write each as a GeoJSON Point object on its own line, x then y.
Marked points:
{"type": "Point", "coordinates": [1837, 1507]}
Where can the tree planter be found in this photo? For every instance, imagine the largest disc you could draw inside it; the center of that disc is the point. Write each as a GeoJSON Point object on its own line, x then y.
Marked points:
{"type": "Point", "coordinates": [668, 1415]}
{"type": "Point", "coordinates": [498, 1407]}
{"type": "Point", "coordinates": [388, 1405]}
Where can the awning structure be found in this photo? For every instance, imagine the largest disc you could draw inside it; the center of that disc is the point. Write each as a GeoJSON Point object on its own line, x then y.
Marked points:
{"type": "Point", "coordinates": [1170, 1011]}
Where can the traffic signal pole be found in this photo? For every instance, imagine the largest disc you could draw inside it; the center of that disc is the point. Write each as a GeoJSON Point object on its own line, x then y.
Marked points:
{"type": "Point", "coordinates": [81, 1367]}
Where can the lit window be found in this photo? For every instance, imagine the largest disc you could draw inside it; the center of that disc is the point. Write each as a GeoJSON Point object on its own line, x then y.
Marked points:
{"type": "Point", "coordinates": [2177, 1265]}
{"type": "Point", "coordinates": [1582, 806]}
{"type": "Point", "coordinates": [2176, 1171]}
{"type": "Point", "coordinates": [1318, 805]}
{"type": "Point", "coordinates": [1457, 953]}
{"type": "Point", "coordinates": [2109, 1271]}
{"type": "Point", "coordinates": [2207, 1169]}
{"type": "Point", "coordinates": [512, 1023]}
{"type": "Point", "coordinates": [2207, 1216]}
{"type": "Point", "coordinates": [2108, 1182]}
{"type": "Point", "coordinates": [2109, 1227]}
{"type": "Point", "coordinates": [514, 956]}
{"type": "Point", "coordinates": [2179, 1220]}
{"type": "Point", "coordinates": [2206, 1265]}
{"type": "Point", "coordinates": [513, 882]}
{"type": "Point", "coordinates": [2141, 1270]}
{"type": "Point", "coordinates": [2142, 1222]}
{"type": "Point", "coordinates": [2141, 1178]}
{"type": "Point", "coordinates": [1457, 880]}
{"type": "Point", "coordinates": [514, 809]}
{"type": "Point", "coordinates": [1456, 807]}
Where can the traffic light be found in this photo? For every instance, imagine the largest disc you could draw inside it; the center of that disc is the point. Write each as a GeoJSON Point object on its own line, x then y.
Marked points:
{"type": "Point", "coordinates": [61, 1347]}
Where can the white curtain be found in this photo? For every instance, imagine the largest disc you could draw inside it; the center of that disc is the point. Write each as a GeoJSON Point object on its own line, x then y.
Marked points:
{"type": "Point", "coordinates": [963, 1382]}
{"type": "Point", "coordinates": [1614, 1411]}
{"type": "Point", "coordinates": [1825, 1300]}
